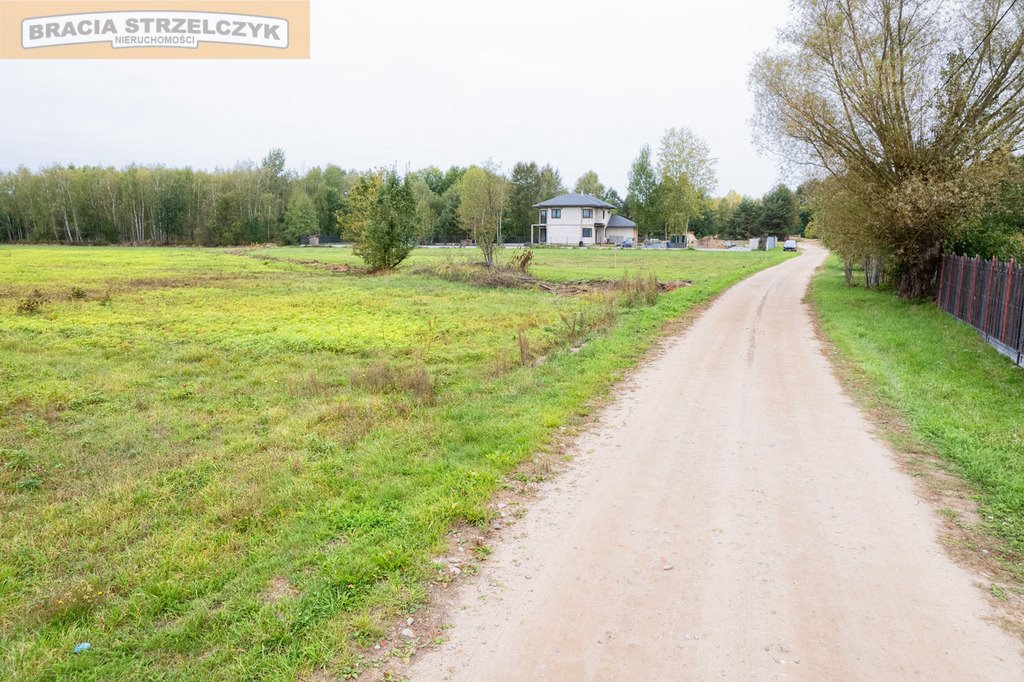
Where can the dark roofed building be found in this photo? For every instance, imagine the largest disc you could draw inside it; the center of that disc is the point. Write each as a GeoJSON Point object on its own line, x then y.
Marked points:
{"type": "Point", "coordinates": [574, 200]}
{"type": "Point", "coordinates": [619, 229]}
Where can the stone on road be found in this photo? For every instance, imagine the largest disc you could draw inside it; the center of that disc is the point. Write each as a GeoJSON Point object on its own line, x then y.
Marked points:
{"type": "Point", "coordinates": [797, 547]}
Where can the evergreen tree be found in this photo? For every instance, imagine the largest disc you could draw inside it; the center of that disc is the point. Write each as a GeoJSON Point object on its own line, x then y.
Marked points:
{"type": "Point", "coordinates": [781, 212]}
{"type": "Point", "coordinates": [386, 237]}
{"type": "Point", "coordinates": [746, 220]}
{"type": "Point", "coordinates": [641, 197]}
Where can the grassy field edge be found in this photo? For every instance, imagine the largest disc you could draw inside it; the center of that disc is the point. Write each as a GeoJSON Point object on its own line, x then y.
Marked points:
{"type": "Point", "coordinates": [953, 409]}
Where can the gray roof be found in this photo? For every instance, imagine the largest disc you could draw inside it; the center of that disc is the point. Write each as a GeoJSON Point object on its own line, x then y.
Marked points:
{"type": "Point", "coordinates": [618, 221]}
{"type": "Point", "coordinates": [573, 199]}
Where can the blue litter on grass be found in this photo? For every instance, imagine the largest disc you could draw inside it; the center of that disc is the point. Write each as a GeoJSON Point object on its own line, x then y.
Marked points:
{"type": "Point", "coordinates": [84, 646]}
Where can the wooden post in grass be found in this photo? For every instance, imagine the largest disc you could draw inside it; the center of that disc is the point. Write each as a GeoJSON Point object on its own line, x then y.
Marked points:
{"type": "Point", "coordinates": [1006, 302]}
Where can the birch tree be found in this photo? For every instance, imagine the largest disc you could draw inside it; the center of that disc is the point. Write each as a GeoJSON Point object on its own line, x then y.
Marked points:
{"type": "Point", "coordinates": [483, 194]}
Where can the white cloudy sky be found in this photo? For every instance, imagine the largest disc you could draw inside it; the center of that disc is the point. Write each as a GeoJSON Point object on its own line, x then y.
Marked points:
{"type": "Point", "coordinates": [581, 85]}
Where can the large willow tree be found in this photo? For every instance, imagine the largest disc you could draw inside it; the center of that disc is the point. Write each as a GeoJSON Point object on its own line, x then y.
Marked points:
{"type": "Point", "coordinates": [911, 107]}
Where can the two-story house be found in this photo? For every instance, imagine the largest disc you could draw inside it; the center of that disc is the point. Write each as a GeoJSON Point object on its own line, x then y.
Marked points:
{"type": "Point", "coordinates": [574, 218]}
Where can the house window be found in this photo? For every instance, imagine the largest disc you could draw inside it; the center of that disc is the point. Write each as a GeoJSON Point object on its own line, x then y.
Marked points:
{"type": "Point", "coordinates": [543, 217]}
{"type": "Point", "coordinates": [556, 213]}
{"type": "Point", "coordinates": [588, 232]}
{"type": "Point", "coordinates": [588, 213]}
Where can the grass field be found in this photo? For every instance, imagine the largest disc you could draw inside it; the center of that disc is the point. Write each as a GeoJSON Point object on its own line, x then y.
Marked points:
{"type": "Point", "coordinates": [219, 466]}
{"type": "Point", "coordinates": [957, 395]}
{"type": "Point", "coordinates": [559, 264]}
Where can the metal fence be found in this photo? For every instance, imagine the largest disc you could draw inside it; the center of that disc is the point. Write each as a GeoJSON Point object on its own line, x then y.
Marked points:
{"type": "Point", "coordinates": [989, 296]}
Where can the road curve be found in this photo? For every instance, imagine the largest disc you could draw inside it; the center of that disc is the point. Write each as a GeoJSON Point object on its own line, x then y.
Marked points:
{"type": "Point", "coordinates": [731, 516]}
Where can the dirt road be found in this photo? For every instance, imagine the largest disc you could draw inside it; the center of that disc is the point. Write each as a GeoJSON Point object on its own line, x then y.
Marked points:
{"type": "Point", "coordinates": [746, 523]}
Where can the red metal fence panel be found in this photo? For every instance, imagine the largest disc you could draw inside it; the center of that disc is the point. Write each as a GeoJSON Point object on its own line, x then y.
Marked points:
{"type": "Point", "coordinates": [989, 296]}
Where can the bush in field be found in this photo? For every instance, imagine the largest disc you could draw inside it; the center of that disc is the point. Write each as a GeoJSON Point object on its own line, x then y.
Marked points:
{"type": "Point", "coordinates": [521, 261]}
{"type": "Point", "coordinates": [31, 305]}
{"type": "Point", "coordinates": [638, 290]}
{"type": "Point", "coordinates": [514, 274]}
{"type": "Point", "coordinates": [385, 237]}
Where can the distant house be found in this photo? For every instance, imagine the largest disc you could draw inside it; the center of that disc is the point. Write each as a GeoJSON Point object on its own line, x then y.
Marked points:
{"type": "Point", "coordinates": [573, 218]}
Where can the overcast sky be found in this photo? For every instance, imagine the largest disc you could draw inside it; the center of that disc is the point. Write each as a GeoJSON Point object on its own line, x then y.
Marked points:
{"type": "Point", "coordinates": [580, 85]}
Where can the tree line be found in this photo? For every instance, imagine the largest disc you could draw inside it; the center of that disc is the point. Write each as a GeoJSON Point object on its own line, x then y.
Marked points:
{"type": "Point", "coordinates": [264, 202]}
{"type": "Point", "coordinates": [249, 203]}
{"type": "Point", "coordinates": [160, 205]}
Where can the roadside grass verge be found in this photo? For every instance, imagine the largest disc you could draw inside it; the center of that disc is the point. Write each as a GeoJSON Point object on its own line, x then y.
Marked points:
{"type": "Point", "coordinates": [957, 396]}
{"type": "Point", "coordinates": [244, 475]}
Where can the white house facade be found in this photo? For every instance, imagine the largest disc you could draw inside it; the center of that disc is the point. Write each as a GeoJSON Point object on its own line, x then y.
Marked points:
{"type": "Point", "coordinates": [574, 218]}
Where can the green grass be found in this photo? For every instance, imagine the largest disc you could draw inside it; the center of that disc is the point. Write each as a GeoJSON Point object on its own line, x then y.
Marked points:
{"type": "Point", "coordinates": [958, 396]}
{"type": "Point", "coordinates": [562, 264]}
{"type": "Point", "coordinates": [202, 426]}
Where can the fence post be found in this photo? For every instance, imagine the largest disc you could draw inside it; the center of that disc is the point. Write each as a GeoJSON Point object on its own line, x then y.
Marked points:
{"type": "Point", "coordinates": [954, 264]}
{"type": "Point", "coordinates": [950, 284]}
{"type": "Point", "coordinates": [988, 294]}
{"type": "Point", "coordinates": [960, 284]}
{"type": "Point", "coordinates": [1020, 336]}
{"type": "Point", "coordinates": [1006, 301]}
{"type": "Point", "coordinates": [942, 280]}
{"type": "Point", "coordinates": [970, 297]}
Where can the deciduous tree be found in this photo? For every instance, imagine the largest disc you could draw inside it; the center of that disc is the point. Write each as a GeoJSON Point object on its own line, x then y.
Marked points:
{"type": "Point", "coordinates": [915, 104]}
{"type": "Point", "coordinates": [682, 152]}
{"type": "Point", "coordinates": [589, 183]}
{"type": "Point", "coordinates": [483, 194]}
{"type": "Point", "coordinates": [300, 218]}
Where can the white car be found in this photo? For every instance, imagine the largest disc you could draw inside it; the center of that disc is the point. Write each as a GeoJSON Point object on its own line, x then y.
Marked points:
{"type": "Point", "coordinates": [790, 245]}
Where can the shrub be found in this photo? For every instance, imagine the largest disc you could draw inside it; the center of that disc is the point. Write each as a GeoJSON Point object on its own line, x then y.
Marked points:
{"type": "Point", "coordinates": [478, 274]}
{"type": "Point", "coordinates": [77, 293]}
{"type": "Point", "coordinates": [383, 377]}
{"type": "Point", "coordinates": [638, 290]}
{"type": "Point", "coordinates": [31, 305]}
{"type": "Point", "coordinates": [521, 261]}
